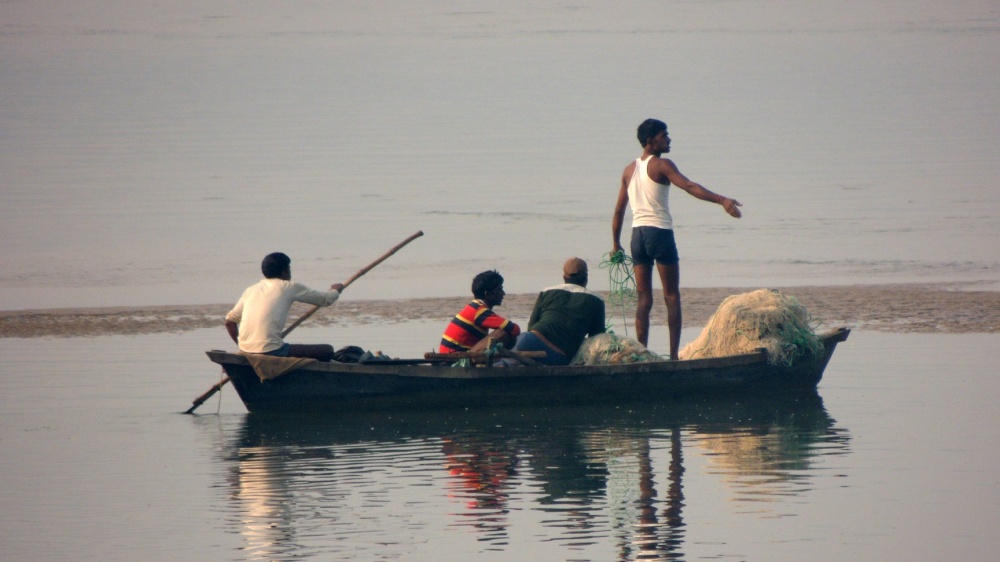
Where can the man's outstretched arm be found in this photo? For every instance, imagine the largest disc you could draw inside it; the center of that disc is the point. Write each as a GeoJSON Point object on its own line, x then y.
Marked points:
{"type": "Point", "coordinates": [669, 170]}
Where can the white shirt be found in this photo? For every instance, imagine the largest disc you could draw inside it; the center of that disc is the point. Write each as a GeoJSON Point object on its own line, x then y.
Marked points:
{"type": "Point", "coordinates": [263, 310]}
{"type": "Point", "coordinates": [572, 288]}
{"type": "Point", "coordinates": [649, 200]}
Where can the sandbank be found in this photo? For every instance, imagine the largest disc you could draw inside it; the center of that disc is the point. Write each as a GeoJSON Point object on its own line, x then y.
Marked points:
{"type": "Point", "coordinates": [927, 308]}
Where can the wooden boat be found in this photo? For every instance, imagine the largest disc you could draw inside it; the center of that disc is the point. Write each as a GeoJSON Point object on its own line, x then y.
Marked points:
{"type": "Point", "coordinates": [425, 384]}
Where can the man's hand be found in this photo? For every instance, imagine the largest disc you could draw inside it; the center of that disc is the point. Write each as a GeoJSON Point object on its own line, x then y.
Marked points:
{"type": "Point", "coordinates": [732, 207]}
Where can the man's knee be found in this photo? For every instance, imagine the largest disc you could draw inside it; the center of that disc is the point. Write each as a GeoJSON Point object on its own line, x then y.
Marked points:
{"type": "Point", "coordinates": [671, 297]}
{"type": "Point", "coordinates": [644, 301]}
{"type": "Point", "coordinates": [325, 352]}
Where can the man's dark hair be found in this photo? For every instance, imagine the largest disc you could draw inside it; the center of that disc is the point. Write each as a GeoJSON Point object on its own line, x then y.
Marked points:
{"type": "Point", "coordinates": [577, 278]}
{"type": "Point", "coordinates": [485, 282]}
{"type": "Point", "coordinates": [649, 129]}
{"type": "Point", "coordinates": [274, 265]}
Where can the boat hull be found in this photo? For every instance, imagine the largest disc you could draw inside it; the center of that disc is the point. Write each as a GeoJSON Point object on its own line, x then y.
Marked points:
{"type": "Point", "coordinates": [404, 384]}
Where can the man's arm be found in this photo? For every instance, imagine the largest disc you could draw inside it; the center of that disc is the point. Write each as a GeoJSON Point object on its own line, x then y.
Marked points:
{"type": "Point", "coordinates": [493, 321]}
{"type": "Point", "coordinates": [233, 318]}
{"type": "Point", "coordinates": [499, 328]}
{"type": "Point", "coordinates": [301, 293]}
{"type": "Point", "coordinates": [234, 330]}
{"type": "Point", "coordinates": [618, 219]}
{"type": "Point", "coordinates": [666, 169]}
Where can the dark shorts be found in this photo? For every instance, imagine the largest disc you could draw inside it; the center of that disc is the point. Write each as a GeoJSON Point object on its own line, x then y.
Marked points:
{"type": "Point", "coordinates": [280, 352]}
{"type": "Point", "coordinates": [651, 244]}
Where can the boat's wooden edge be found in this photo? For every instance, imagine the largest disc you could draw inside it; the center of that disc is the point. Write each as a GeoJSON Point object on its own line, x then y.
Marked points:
{"type": "Point", "coordinates": [448, 371]}
{"type": "Point", "coordinates": [418, 367]}
{"type": "Point", "coordinates": [836, 335]}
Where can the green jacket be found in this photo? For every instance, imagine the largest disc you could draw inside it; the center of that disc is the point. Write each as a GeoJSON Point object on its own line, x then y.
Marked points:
{"type": "Point", "coordinates": [566, 314]}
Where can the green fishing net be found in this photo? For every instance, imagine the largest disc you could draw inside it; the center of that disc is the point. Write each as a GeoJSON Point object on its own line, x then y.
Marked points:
{"type": "Point", "coordinates": [622, 293]}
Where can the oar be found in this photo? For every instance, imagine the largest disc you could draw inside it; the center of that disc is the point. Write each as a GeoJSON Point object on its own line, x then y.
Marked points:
{"type": "Point", "coordinates": [218, 386]}
{"type": "Point", "coordinates": [384, 257]}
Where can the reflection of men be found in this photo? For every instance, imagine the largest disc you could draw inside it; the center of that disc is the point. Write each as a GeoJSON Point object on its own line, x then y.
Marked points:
{"type": "Point", "coordinates": [257, 320]}
{"type": "Point", "coordinates": [482, 468]}
{"type": "Point", "coordinates": [469, 328]}
{"type": "Point", "coordinates": [645, 186]}
{"type": "Point", "coordinates": [563, 316]}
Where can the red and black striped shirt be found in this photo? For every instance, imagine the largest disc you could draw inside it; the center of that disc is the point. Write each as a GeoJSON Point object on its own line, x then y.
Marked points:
{"type": "Point", "coordinates": [472, 324]}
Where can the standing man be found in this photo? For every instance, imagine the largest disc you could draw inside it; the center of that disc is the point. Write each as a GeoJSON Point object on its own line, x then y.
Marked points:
{"type": "Point", "coordinates": [563, 316]}
{"type": "Point", "coordinates": [257, 320]}
{"type": "Point", "coordinates": [645, 188]}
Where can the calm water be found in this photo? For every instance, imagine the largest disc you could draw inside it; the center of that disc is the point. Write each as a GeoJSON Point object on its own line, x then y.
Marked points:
{"type": "Point", "coordinates": [152, 153]}
{"type": "Point", "coordinates": [895, 459]}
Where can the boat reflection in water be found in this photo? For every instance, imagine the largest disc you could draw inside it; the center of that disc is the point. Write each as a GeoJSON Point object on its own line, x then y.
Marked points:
{"type": "Point", "coordinates": [370, 484]}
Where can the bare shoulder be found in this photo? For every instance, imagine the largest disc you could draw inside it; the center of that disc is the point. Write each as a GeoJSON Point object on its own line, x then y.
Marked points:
{"type": "Point", "coordinates": [661, 170]}
{"type": "Point", "coordinates": [661, 162]}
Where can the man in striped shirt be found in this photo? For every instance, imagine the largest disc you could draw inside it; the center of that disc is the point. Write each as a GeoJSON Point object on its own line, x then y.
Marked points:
{"type": "Point", "coordinates": [471, 326]}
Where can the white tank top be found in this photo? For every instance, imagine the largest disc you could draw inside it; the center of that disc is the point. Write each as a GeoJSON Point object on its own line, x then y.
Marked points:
{"type": "Point", "coordinates": [649, 200]}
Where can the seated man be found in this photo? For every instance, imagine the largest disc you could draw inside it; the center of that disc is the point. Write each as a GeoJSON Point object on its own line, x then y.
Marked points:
{"type": "Point", "coordinates": [563, 316]}
{"type": "Point", "coordinates": [257, 320]}
{"type": "Point", "coordinates": [467, 331]}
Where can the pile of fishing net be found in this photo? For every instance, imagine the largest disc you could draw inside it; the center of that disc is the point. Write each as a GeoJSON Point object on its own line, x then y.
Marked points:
{"type": "Point", "coordinates": [611, 349]}
{"type": "Point", "coordinates": [762, 318]}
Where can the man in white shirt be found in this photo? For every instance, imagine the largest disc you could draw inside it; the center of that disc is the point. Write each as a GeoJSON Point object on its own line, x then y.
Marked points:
{"type": "Point", "coordinates": [257, 320]}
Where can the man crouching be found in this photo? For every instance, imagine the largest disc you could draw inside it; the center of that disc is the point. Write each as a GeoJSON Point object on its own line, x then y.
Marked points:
{"type": "Point", "coordinates": [563, 316]}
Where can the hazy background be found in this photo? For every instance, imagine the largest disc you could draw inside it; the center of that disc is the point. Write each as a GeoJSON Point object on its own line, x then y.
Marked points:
{"type": "Point", "coordinates": [153, 152]}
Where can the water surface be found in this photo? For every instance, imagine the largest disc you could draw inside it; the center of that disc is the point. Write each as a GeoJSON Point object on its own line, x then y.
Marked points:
{"type": "Point", "coordinates": [890, 461]}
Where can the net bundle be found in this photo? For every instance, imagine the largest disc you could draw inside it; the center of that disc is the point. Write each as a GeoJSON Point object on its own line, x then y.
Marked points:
{"type": "Point", "coordinates": [762, 318]}
{"type": "Point", "coordinates": [611, 349]}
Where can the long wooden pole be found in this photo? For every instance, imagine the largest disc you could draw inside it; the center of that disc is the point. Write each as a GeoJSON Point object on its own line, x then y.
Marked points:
{"type": "Point", "coordinates": [364, 270]}
{"type": "Point", "coordinates": [218, 386]}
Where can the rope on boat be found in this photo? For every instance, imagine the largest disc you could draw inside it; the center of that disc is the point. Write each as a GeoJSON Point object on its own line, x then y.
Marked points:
{"type": "Point", "coordinates": [622, 283]}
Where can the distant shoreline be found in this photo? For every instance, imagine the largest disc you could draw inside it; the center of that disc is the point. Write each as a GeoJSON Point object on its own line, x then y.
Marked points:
{"type": "Point", "coordinates": [925, 308]}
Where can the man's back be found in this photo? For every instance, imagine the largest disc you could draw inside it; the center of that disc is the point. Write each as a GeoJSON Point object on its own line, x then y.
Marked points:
{"type": "Point", "coordinates": [566, 314]}
{"type": "Point", "coordinates": [263, 310]}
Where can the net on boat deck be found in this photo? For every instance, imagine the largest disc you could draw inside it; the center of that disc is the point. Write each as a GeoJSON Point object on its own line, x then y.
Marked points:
{"type": "Point", "coordinates": [762, 318]}
{"type": "Point", "coordinates": [611, 349]}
